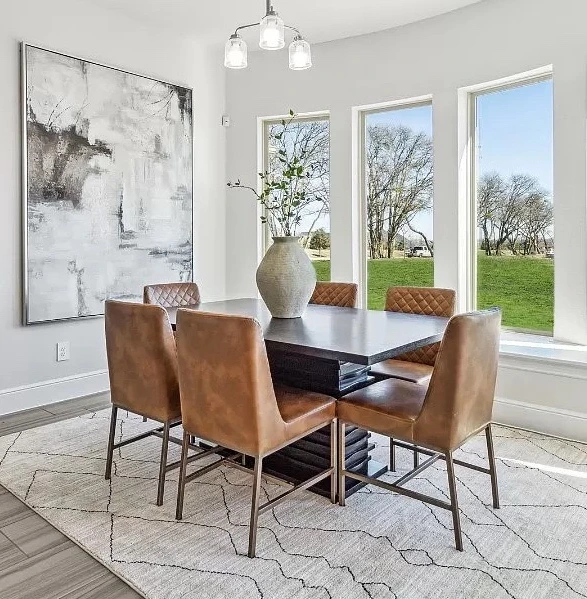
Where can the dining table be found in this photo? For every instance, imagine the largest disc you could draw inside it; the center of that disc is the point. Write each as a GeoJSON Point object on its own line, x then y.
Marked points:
{"type": "Point", "coordinates": [329, 350]}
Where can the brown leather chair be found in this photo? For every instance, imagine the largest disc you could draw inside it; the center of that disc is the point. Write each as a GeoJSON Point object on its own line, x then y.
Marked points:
{"type": "Point", "coordinates": [415, 366]}
{"type": "Point", "coordinates": [342, 295]}
{"type": "Point", "coordinates": [228, 398]}
{"type": "Point", "coordinates": [172, 295]}
{"type": "Point", "coordinates": [142, 365]}
{"type": "Point", "coordinates": [440, 417]}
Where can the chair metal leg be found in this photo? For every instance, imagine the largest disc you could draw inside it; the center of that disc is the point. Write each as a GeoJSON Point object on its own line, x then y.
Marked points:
{"type": "Point", "coordinates": [341, 462]}
{"type": "Point", "coordinates": [492, 468]}
{"type": "Point", "coordinates": [416, 457]}
{"type": "Point", "coordinates": [182, 470]}
{"type": "Point", "coordinates": [391, 455]}
{"type": "Point", "coordinates": [452, 485]}
{"type": "Point", "coordinates": [110, 450]}
{"type": "Point", "coordinates": [163, 464]}
{"type": "Point", "coordinates": [255, 506]}
{"type": "Point", "coordinates": [333, 476]}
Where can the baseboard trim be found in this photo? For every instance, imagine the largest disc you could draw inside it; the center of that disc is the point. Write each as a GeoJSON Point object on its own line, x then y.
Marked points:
{"type": "Point", "coordinates": [52, 391]}
{"type": "Point", "coordinates": [541, 419]}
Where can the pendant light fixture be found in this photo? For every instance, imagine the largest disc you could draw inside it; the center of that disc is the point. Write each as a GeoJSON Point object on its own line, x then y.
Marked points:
{"type": "Point", "coordinates": [272, 31]}
{"type": "Point", "coordinates": [300, 54]}
{"type": "Point", "coordinates": [235, 53]}
{"type": "Point", "coordinates": [271, 37]}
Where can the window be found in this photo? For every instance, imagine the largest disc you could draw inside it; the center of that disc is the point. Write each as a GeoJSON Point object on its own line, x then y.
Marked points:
{"type": "Point", "coordinates": [309, 140]}
{"type": "Point", "coordinates": [513, 173]}
{"type": "Point", "coordinates": [398, 196]}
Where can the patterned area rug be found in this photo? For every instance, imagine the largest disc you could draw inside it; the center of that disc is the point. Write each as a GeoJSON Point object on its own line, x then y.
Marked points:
{"type": "Point", "coordinates": [379, 546]}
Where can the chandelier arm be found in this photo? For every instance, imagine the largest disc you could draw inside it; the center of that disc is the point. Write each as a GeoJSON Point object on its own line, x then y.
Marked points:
{"type": "Point", "coordinates": [245, 27]}
{"type": "Point", "coordinates": [293, 29]}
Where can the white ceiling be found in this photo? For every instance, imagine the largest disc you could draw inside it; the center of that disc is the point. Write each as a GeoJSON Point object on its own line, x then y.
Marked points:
{"type": "Point", "coordinates": [318, 20]}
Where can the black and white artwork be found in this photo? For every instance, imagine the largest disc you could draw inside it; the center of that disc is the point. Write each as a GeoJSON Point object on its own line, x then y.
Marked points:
{"type": "Point", "coordinates": [108, 190]}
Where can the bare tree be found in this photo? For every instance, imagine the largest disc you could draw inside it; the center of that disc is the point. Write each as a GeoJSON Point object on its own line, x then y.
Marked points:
{"type": "Point", "coordinates": [399, 165]}
{"type": "Point", "coordinates": [512, 212]}
{"type": "Point", "coordinates": [310, 142]}
{"type": "Point", "coordinates": [490, 192]}
{"type": "Point", "coordinates": [509, 214]}
{"type": "Point", "coordinates": [537, 222]}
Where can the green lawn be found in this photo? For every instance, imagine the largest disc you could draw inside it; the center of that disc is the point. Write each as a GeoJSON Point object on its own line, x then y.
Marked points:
{"type": "Point", "coordinates": [522, 287]}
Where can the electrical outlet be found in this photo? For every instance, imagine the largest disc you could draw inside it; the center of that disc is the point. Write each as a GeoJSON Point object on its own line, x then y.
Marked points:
{"type": "Point", "coordinates": [63, 351]}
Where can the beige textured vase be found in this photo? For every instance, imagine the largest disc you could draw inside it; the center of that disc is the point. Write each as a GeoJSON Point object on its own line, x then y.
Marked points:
{"type": "Point", "coordinates": [286, 278]}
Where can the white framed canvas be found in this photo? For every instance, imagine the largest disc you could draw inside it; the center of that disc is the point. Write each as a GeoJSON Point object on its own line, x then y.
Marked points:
{"type": "Point", "coordinates": [107, 184]}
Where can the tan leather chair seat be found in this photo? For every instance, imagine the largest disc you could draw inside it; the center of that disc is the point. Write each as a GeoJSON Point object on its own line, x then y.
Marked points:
{"type": "Point", "coordinates": [228, 398]}
{"type": "Point", "coordinates": [416, 365]}
{"type": "Point", "coordinates": [438, 417]}
{"type": "Point", "coordinates": [404, 370]}
{"type": "Point", "coordinates": [303, 410]}
{"type": "Point", "coordinates": [142, 366]}
{"type": "Point", "coordinates": [388, 407]}
{"type": "Point", "coordinates": [142, 360]}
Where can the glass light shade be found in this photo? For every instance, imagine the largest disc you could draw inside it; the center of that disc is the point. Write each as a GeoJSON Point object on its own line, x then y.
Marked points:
{"type": "Point", "coordinates": [272, 35]}
{"type": "Point", "coordinates": [235, 53]}
{"type": "Point", "coordinates": [300, 55]}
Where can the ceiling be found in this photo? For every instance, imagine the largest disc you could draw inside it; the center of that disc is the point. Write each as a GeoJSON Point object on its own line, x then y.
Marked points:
{"type": "Point", "coordinates": [319, 20]}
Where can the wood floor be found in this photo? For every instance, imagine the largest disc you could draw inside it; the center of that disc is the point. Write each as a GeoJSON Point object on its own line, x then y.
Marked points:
{"type": "Point", "coordinates": [36, 560]}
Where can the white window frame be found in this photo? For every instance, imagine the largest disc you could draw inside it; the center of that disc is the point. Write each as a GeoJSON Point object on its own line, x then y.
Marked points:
{"type": "Point", "coordinates": [515, 82]}
{"type": "Point", "coordinates": [362, 113]}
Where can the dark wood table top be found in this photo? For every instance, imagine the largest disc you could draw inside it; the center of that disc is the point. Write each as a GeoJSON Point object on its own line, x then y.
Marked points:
{"type": "Point", "coordinates": [345, 334]}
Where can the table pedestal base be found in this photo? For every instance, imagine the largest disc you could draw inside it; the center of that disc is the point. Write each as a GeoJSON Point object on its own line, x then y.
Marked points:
{"type": "Point", "coordinates": [308, 456]}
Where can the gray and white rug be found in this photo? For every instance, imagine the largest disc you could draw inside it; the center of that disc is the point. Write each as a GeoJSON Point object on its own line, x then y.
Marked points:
{"type": "Point", "coordinates": [379, 546]}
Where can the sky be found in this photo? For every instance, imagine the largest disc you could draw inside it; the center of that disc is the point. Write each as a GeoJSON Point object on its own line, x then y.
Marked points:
{"type": "Point", "coordinates": [514, 133]}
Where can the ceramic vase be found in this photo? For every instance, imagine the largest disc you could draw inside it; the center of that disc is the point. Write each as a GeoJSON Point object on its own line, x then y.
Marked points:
{"type": "Point", "coordinates": [286, 278]}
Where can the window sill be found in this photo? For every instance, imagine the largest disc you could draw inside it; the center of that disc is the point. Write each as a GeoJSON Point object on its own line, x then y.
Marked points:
{"type": "Point", "coordinates": [542, 354]}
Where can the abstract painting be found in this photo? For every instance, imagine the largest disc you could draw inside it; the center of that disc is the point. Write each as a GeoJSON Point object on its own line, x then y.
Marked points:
{"type": "Point", "coordinates": [108, 185]}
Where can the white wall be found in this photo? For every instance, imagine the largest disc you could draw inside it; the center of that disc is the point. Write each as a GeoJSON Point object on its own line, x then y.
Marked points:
{"type": "Point", "coordinates": [489, 41]}
{"type": "Point", "coordinates": [29, 373]}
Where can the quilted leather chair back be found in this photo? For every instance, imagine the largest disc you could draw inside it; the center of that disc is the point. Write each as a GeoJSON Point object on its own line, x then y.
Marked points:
{"type": "Point", "coordinates": [421, 300]}
{"type": "Point", "coordinates": [172, 295]}
{"type": "Point", "coordinates": [342, 295]}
